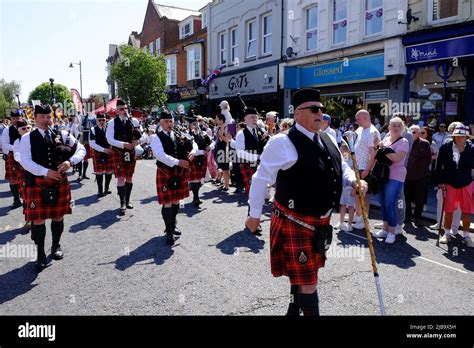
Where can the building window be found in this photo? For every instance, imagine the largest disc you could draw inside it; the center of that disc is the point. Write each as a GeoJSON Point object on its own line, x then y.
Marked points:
{"type": "Point", "coordinates": [158, 47]}
{"type": "Point", "coordinates": [339, 23]}
{"type": "Point", "coordinates": [171, 70]}
{"type": "Point", "coordinates": [185, 29]}
{"type": "Point", "coordinates": [373, 17]}
{"type": "Point", "coordinates": [251, 39]}
{"type": "Point", "coordinates": [234, 46]}
{"type": "Point", "coordinates": [194, 63]}
{"type": "Point", "coordinates": [311, 28]}
{"type": "Point", "coordinates": [267, 34]}
{"type": "Point", "coordinates": [443, 9]}
{"type": "Point", "coordinates": [150, 46]}
{"type": "Point", "coordinates": [204, 20]}
{"type": "Point", "coordinates": [223, 48]}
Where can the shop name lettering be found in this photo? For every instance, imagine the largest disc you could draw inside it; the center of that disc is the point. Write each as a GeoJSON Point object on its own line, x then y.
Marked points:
{"type": "Point", "coordinates": [328, 71]}
{"type": "Point", "coordinates": [238, 82]}
{"type": "Point", "coordinates": [417, 54]}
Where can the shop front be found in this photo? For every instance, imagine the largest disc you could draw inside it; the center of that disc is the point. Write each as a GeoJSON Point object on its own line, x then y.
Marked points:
{"type": "Point", "coordinates": [346, 85]}
{"type": "Point", "coordinates": [257, 86]}
{"type": "Point", "coordinates": [440, 74]}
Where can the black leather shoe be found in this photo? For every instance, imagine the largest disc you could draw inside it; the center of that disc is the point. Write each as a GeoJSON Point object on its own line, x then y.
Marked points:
{"type": "Point", "coordinates": [107, 192]}
{"type": "Point", "coordinates": [86, 177]}
{"type": "Point", "coordinates": [169, 239]}
{"type": "Point", "coordinates": [16, 204]}
{"type": "Point", "coordinates": [123, 209]}
{"type": "Point", "coordinates": [100, 194]}
{"type": "Point", "coordinates": [129, 206]}
{"type": "Point", "coordinates": [41, 264]}
{"type": "Point", "coordinates": [57, 253]}
{"type": "Point", "coordinates": [197, 203]}
{"type": "Point", "coordinates": [177, 231]}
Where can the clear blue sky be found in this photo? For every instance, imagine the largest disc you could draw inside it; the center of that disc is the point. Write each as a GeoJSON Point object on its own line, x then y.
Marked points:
{"type": "Point", "coordinates": [39, 38]}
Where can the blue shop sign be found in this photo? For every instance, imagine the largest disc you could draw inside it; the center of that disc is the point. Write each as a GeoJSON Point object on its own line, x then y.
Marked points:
{"type": "Point", "coordinates": [443, 49]}
{"type": "Point", "coordinates": [353, 70]}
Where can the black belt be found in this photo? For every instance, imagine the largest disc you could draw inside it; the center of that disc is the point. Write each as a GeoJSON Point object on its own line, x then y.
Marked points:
{"type": "Point", "coordinates": [281, 214]}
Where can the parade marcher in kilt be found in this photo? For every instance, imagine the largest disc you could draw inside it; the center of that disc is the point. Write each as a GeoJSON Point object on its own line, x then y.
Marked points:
{"type": "Point", "coordinates": [84, 130]}
{"type": "Point", "coordinates": [46, 156]}
{"type": "Point", "coordinates": [198, 165]}
{"type": "Point", "coordinates": [171, 178]}
{"type": "Point", "coordinates": [9, 135]}
{"type": "Point", "coordinates": [119, 135]}
{"type": "Point", "coordinates": [249, 144]}
{"type": "Point", "coordinates": [101, 155]}
{"type": "Point", "coordinates": [308, 170]}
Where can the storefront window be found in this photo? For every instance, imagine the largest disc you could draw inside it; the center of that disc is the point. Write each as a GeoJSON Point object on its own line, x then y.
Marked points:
{"type": "Point", "coordinates": [342, 106]}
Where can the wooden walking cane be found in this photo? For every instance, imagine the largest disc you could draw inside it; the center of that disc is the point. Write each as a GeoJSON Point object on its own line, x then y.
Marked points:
{"type": "Point", "coordinates": [351, 138]}
{"type": "Point", "coordinates": [440, 229]}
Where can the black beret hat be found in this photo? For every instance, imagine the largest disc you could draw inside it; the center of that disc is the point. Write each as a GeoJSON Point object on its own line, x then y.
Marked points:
{"type": "Point", "coordinates": [251, 111]}
{"type": "Point", "coordinates": [16, 113]}
{"type": "Point", "coordinates": [21, 123]}
{"type": "Point", "coordinates": [120, 102]}
{"type": "Point", "coordinates": [306, 95]}
{"type": "Point", "coordinates": [42, 109]}
{"type": "Point", "coordinates": [165, 116]}
{"type": "Point", "coordinates": [100, 116]}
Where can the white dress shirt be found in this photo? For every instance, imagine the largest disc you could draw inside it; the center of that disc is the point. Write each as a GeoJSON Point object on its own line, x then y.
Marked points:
{"type": "Point", "coordinates": [6, 146]}
{"type": "Point", "coordinates": [240, 146]}
{"type": "Point", "coordinates": [281, 154]}
{"type": "Point", "coordinates": [111, 133]}
{"type": "Point", "coordinates": [159, 151]}
{"type": "Point", "coordinates": [93, 144]}
{"type": "Point", "coordinates": [36, 169]}
{"type": "Point", "coordinates": [16, 150]}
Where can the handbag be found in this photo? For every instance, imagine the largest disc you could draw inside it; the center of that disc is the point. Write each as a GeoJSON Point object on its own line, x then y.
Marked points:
{"type": "Point", "coordinates": [380, 173]}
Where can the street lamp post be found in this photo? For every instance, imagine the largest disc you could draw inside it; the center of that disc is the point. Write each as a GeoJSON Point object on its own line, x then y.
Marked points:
{"type": "Point", "coordinates": [53, 98]}
{"type": "Point", "coordinates": [80, 73]}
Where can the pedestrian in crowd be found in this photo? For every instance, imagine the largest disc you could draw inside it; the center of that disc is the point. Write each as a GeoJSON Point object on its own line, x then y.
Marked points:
{"type": "Point", "coordinates": [347, 200]}
{"type": "Point", "coordinates": [271, 123]}
{"type": "Point", "coordinates": [377, 124]}
{"type": "Point", "coordinates": [441, 136]}
{"type": "Point", "coordinates": [223, 138]}
{"type": "Point", "coordinates": [326, 126]}
{"type": "Point", "coordinates": [101, 156]}
{"type": "Point", "coordinates": [416, 181]}
{"type": "Point", "coordinates": [391, 190]}
{"type": "Point", "coordinates": [286, 124]}
{"type": "Point", "coordinates": [383, 131]}
{"type": "Point", "coordinates": [454, 168]}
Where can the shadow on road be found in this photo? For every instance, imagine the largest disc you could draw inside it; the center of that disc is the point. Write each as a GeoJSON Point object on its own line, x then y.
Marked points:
{"type": "Point", "coordinates": [241, 239]}
{"type": "Point", "coordinates": [421, 233]}
{"type": "Point", "coordinates": [104, 220]}
{"type": "Point", "coordinates": [149, 200]}
{"type": "Point", "coordinates": [155, 249]}
{"type": "Point", "coordinates": [220, 197]}
{"type": "Point", "coordinates": [8, 236]}
{"type": "Point", "coordinates": [4, 211]}
{"type": "Point", "coordinates": [17, 282]}
{"type": "Point", "coordinates": [5, 194]}
{"type": "Point", "coordinates": [87, 201]}
{"type": "Point", "coordinates": [459, 253]}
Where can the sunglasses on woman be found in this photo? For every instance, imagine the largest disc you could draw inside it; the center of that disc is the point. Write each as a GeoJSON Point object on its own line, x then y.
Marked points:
{"type": "Point", "coordinates": [25, 128]}
{"type": "Point", "coordinates": [423, 133]}
{"type": "Point", "coordinates": [314, 108]}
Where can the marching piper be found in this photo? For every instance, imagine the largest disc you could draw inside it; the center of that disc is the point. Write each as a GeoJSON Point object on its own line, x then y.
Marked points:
{"type": "Point", "coordinates": [198, 165]}
{"type": "Point", "coordinates": [46, 156]}
{"type": "Point", "coordinates": [308, 170]}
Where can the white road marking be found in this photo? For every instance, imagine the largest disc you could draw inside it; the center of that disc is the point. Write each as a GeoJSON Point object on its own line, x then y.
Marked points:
{"type": "Point", "coordinates": [355, 235]}
{"type": "Point", "coordinates": [437, 263]}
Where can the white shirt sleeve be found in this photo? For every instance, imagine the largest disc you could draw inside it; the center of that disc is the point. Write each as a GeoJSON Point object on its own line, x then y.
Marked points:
{"type": "Point", "coordinates": [80, 149]}
{"type": "Point", "coordinates": [160, 154]}
{"type": "Point", "coordinates": [92, 142]}
{"type": "Point", "coordinates": [240, 147]}
{"type": "Point", "coordinates": [279, 154]}
{"type": "Point", "coordinates": [25, 158]}
{"type": "Point", "coordinates": [110, 135]}
{"type": "Point", "coordinates": [6, 147]}
{"type": "Point", "coordinates": [16, 150]}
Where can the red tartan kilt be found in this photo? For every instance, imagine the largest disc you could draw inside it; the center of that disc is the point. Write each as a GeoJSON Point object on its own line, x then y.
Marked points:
{"type": "Point", "coordinates": [100, 168]}
{"type": "Point", "coordinates": [36, 210]}
{"type": "Point", "coordinates": [11, 168]}
{"type": "Point", "coordinates": [247, 171]}
{"type": "Point", "coordinates": [288, 241]}
{"type": "Point", "coordinates": [122, 169]}
{"type": "Point", "coordinates": [165, 195]}
{"type": "Point", "coordinates": [88, 152]}
{"type": "Point", "coordinates": [195, 172]}
{"type": "Point", "coordinates": [21, 182]}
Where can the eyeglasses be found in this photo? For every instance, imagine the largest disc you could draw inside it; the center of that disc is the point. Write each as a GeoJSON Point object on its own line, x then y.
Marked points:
{"type": "Point", "coordinates": [25, 128]}
{"type": "Point", "coordinates": [314, 108]}
{"type": "Point", "coordinates": [442, 126]}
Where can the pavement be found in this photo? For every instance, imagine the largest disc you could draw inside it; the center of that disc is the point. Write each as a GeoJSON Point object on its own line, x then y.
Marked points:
{"type": "Point", "coordinates": [122, 265]}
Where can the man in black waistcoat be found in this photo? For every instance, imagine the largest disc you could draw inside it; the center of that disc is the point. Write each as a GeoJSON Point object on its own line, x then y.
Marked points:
{"type": "Point", "coordinates": [198, 166]}
{"type": "Point", "coordinates": [9, 135]}
{"type": "Point", "coordinates": [308, 171]}
{"type": "Point", "coordinates": [101, 151]}
{"type": "Point", "coordinates": [171, 179]}
{"type": "Point", "coordinates": [119, 135]}
{"type": "Point", "coordinates": [46, 156]}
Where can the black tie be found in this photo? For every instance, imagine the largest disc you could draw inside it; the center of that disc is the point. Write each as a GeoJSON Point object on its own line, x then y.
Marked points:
{"type": "Point", "coordinates": [47, 136]}
{"type": "Point", "coordinates": [316, 140]}
{"type": "Point", "coordinates": [255, 134]}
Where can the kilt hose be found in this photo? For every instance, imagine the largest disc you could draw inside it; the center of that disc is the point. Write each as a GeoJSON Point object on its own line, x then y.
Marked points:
{"type": "Point", "coordinates": [197, 172]}
{"type": "Point", "coordinates": [291, 248]}
{"type": "Point", "coordinates": [88, 152]}
{"type": "Point", "coordinates": [102, 168]}
{"type": "Point", "coordinates": [247, 171]}
{"type": "Point", "coordinates": [122, 168]}
{"type": "Point", "coordinates": [165, 194]}
{"type": "Point", "coordinates": [35, 209]}
{"type": "Point", "coordinates": [11, 167]}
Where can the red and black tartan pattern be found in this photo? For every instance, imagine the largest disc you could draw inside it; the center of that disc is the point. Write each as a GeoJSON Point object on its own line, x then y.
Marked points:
{"type": "Point", "coordinates": [165, 195]}
{"type": "Point", "coordinates": [197, 172]}
{"type": "Point", "coordinates": [36, 210]}
{"type": "Point", "coordinates": [88, 152]}
{"type": "Point", "coordinates": [11, 167]}
{"type": "Point", "coordinates": [291, 248]}
{"type": "Point", "coordinates": [21, 182]}
{"type": "Point", "coordinates": [121, 168]}
{"type": "Point", "coordinates": [100, 168]}
{"type": "Point", "coordinates": [247, 171]}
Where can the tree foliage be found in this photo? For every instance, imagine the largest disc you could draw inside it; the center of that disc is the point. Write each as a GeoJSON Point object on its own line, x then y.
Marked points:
{"type": "Point", "coordinates": [8, 99]}
{"type": "Point", "coordinates": [43, 93]}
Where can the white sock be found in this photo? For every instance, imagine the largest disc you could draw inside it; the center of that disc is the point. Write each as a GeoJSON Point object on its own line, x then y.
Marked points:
{"type": "Point", "coordinates": [465, 234]}
{"type": "Point", "coordinates": [447, 232]}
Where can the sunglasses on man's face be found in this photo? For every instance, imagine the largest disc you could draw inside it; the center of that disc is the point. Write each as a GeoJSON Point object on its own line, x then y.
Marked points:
{"type": "Point", "coordinates": [442, 126]}
{"type": "Point", "coordinates": [314, 108]}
